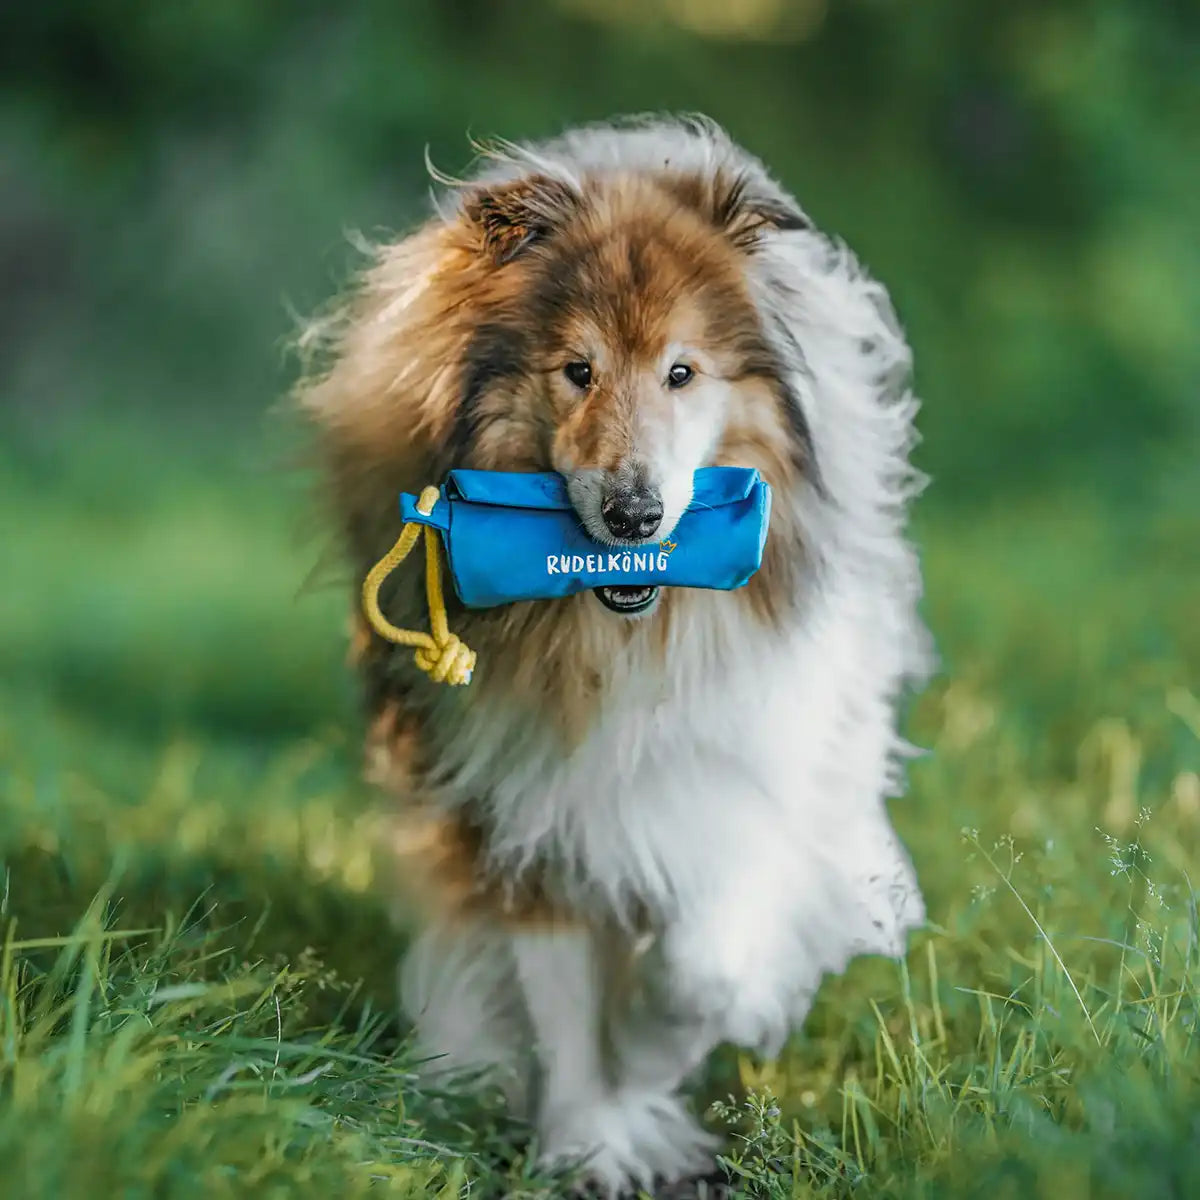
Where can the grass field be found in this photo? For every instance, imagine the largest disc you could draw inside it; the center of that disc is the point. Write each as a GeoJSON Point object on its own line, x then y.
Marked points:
{"type": "Point", "coordinates": [196, 975]}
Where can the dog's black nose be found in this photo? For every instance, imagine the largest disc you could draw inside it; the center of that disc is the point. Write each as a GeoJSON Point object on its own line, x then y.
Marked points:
{"type": "Point", "coordinates": [632, 514]}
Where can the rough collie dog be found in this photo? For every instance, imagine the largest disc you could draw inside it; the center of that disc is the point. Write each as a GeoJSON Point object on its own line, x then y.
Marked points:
{"type": "Point", "coordinates": [654, 819]}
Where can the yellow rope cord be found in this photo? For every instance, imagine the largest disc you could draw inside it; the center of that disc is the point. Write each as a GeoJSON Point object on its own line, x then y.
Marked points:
{"type": "Point", "coordinates": [439, 653]}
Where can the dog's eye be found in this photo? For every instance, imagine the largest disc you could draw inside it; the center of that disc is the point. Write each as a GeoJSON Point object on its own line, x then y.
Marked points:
{"type": "Point", "coordinates": [579, 374]}
{"type": "Point", "coordinates": [679, 375]}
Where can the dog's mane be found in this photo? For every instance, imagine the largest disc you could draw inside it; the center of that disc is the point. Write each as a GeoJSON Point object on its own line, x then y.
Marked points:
{"type": "Point", "coordinates": [384, 381]}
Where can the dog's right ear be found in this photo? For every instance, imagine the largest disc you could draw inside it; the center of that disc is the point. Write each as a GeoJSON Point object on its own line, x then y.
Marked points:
{"type": "Point", "coordinates": [511, 216]}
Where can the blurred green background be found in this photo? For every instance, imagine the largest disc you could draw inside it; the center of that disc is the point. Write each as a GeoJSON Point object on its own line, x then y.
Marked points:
{"type": "Point", "coordinates": [178, 180]}
{"type": "Point", "coordinates": [1023, 175]}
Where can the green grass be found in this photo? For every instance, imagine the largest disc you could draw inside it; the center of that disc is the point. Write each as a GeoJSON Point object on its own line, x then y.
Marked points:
{"type": "Point", "coordinates": [196, 973]}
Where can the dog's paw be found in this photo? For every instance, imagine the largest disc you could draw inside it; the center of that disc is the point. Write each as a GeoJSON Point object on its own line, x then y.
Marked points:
{"type": "Point", "coordinates": [627, 1141]}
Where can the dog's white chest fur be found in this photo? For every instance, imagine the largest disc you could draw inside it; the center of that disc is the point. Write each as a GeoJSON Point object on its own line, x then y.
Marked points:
{"type": "Point", "coordinates": [743, 747]}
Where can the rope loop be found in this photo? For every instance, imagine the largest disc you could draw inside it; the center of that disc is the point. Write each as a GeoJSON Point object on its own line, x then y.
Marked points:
{"type": "Point", "coordinates": [439, 653]}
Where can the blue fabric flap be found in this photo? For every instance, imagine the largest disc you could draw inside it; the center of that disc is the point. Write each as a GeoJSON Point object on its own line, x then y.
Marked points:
{"type": "Point", "coordinates": [714, 486]}
{"type": "Point", "coordinates": [509, 489]}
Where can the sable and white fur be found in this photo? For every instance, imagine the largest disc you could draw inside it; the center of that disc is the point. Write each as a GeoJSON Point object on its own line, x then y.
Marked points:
{"type": "Point", "coordinates": [637, 839]}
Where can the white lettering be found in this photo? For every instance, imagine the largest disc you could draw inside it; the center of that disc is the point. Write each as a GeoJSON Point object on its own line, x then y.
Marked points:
{"type": "Point", "coordinates": [564, 564]}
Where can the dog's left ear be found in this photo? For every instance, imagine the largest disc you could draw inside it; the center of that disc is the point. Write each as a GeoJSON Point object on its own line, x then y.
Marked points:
{"type": "Point", "coordinates": [741, 210]}
{"type": "Point", "coordinates": [745, 213]}
{"type": "Point", "coordinates": [511, 216]}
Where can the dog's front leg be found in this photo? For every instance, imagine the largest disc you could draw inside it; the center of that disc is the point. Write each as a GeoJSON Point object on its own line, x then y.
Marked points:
{"type": "Point", "coordinates": [458, 987]}
{"type": "Point", "coordinates": [625, 1134]}
{"type": "Point", "coordinates": [740, 963]}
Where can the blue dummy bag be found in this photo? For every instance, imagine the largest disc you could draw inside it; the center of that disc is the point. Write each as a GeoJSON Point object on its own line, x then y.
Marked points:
{"type": "Point", "coordinates": [512, 536]}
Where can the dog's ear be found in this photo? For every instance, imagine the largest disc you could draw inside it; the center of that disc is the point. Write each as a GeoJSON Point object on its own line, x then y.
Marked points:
{"type": "Point", "coordinates": [511, 216]}
{"type": "Point", "coordinates": [746, 213]}
{"type": "Point", "coordinates": [738, 208]}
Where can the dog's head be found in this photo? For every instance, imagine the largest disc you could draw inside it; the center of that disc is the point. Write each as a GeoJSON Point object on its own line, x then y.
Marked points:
{"type": "Point", "coordinates": [621, 346]}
